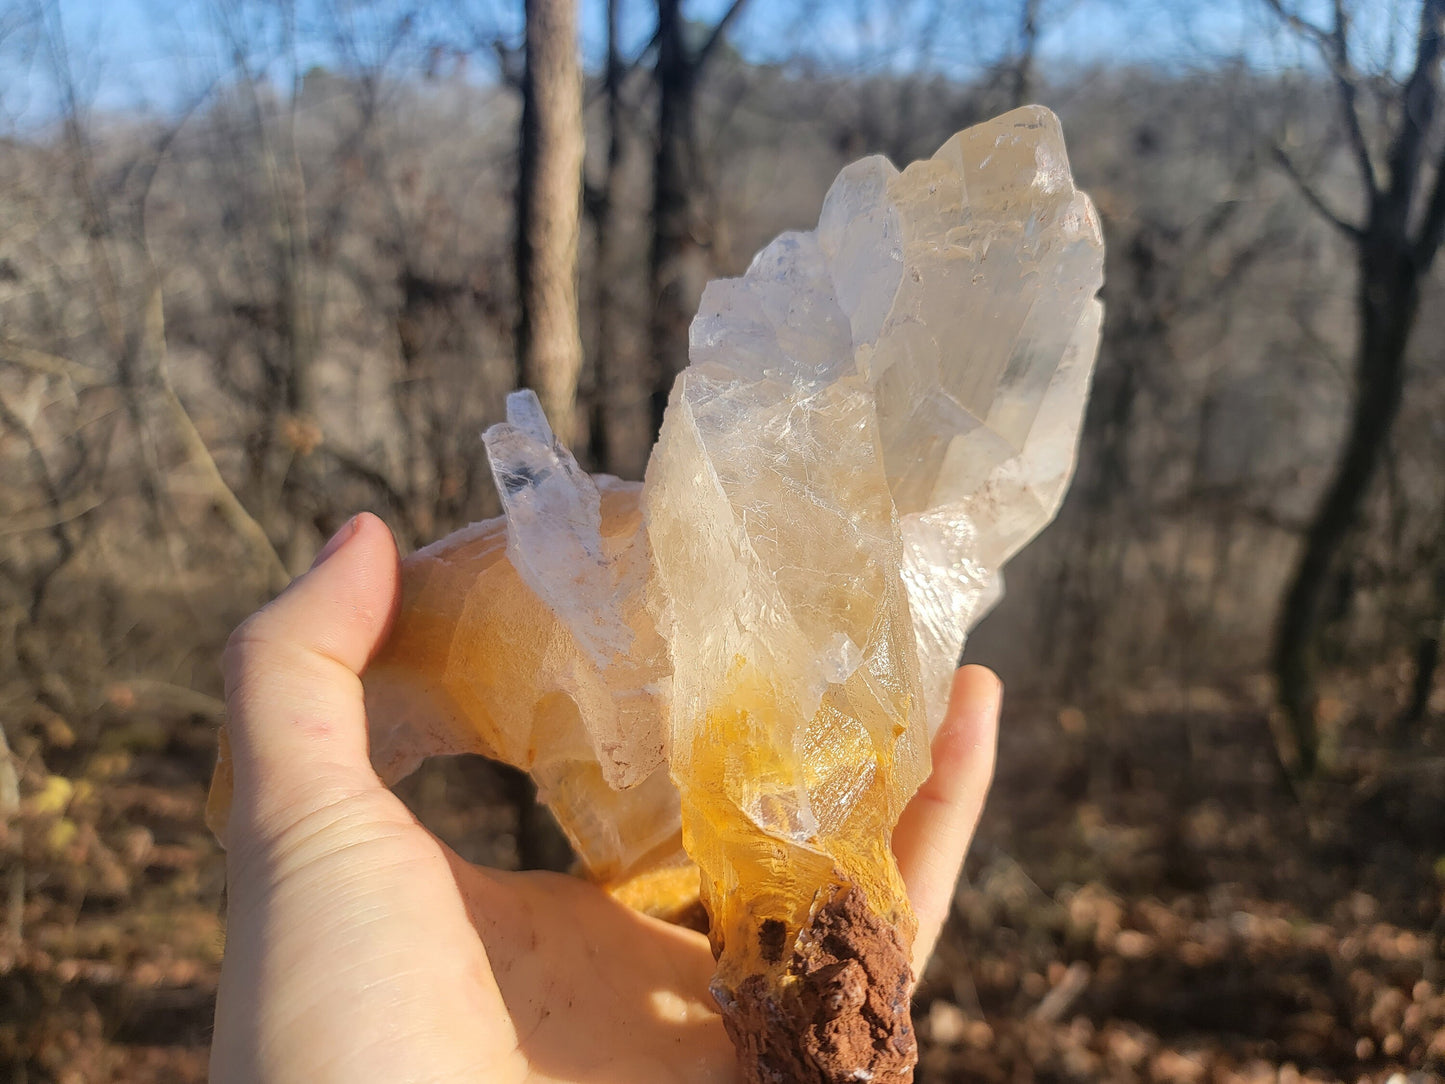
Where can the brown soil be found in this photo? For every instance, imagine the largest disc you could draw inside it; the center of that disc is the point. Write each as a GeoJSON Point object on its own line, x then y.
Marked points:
{"type": "Point", "coordinates": [1144, 902]}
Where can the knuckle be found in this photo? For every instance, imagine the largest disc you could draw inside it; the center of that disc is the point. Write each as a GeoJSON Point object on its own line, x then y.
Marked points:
{"type": "Point", "coordinates": [282, 829]}
{"type": "Point", "coordinates": [253, 642]}
{"type": "Point", "coordinates": [244, 636]}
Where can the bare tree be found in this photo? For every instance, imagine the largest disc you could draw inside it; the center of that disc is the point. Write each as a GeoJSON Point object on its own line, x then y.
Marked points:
{"type": "Point", "coordinates": [131, 310]}
{"type": "Point", "coordinates": [549, 203]}
{"type": "Point", "coordinates": [1395, 242]}
{"type": "Point", "coordinates": [677, 265]}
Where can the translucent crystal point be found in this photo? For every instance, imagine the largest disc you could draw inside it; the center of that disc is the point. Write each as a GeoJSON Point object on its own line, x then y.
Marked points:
{"type": "Point", "coordinates": [594, 586]}
{"type": "Point", "coordinates": [479, 662]}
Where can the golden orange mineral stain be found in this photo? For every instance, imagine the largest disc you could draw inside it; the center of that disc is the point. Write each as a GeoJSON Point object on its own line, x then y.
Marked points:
{"type": "Point", "coordinates": [773, 879]}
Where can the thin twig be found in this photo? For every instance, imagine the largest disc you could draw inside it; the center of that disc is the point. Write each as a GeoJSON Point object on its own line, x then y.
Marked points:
{"type": "Point", "coordinates": [718, 32]}
{"type": "Point", "coordinates": [41, 361]}
{"type": "Point", "coordinates": [1312, 195]}
{"type": "Point", "coordinates": [45, 519]}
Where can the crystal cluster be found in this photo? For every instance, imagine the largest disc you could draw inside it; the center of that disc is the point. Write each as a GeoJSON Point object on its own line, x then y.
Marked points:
{"type": "Point", "coordinates": [743, 659]}
{"type": "Point", "coordinates": [875, 417]}
{"type": "Point", "coordinates": [500, 649]}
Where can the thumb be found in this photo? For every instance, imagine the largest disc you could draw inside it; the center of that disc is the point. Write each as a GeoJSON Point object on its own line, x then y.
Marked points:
{"type": "Point", "coordinates": [294, 706]}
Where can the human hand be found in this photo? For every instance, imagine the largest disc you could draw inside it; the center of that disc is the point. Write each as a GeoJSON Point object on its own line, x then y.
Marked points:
{"type": "Point", "coordinates": [360, 948]}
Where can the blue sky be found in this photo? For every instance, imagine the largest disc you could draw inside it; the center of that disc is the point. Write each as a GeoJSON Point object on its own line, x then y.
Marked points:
{"type": "Point", "coordinates": [154, 54]}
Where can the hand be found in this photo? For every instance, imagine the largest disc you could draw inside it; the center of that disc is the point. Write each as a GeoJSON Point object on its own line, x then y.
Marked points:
{"type": "Point", "coordinates": [360, 948]}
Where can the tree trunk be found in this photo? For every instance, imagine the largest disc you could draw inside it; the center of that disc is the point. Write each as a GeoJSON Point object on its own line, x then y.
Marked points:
{"type": "Point", "coordinates": [676, 268]}
{"type": "Point", "coordinates": [622, 434]}
{"type": "Point", "coordinates": [1388, 297]}
{"type": "Point", "coordinates": [1022, 89]}
{"type": "Point", "coordinates": [549, 200]}
{"type": "Point", "coordinates": [1427, 648]}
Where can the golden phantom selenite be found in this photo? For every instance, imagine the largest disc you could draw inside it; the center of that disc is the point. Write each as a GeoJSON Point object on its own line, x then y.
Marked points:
{"type": "Point", "coordinates": [724, 680]}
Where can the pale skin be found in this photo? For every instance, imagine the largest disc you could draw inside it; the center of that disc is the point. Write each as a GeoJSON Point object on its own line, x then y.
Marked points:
{"type": "Point", "coordinates": [360, 948]}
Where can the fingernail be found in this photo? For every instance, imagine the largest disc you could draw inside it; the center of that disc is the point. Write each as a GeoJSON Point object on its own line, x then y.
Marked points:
{"type": "Point", "coordinates": [337, 540]}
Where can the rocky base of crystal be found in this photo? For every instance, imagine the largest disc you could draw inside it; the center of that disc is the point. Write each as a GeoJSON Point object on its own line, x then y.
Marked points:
{"type": "Point", "coordinates": [837, 1011]}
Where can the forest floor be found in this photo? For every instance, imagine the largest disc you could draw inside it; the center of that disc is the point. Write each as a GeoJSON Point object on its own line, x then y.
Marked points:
{"type": "Point", "coordinates": [1145, 901]}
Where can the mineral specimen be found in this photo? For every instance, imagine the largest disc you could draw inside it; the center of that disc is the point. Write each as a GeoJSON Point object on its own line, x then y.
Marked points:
{"type": "Point", "coordinates": [875, 417]}
{"type": "Point", "coordinates": [479, 662]}
{"type": "Point", "coordinates": [745, 657]}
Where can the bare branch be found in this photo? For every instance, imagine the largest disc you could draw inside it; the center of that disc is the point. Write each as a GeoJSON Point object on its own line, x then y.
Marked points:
{"type": "Point", "coordinates": [177, 696]}
{"type": "Point", "coordinates": [1300, 25]}
{"type": "Point", "coordinates": [198, 454]}
{"type": "Point", "coordinates": [1312, 196]}
{"type": "Point", "coordinates": [718, 32]}
{"type": "Point", "coordinates": [60, 531]}
{"type": "Point", "coordinates": [27, 357]}
{"type": "Point", "coordinates": [226, 501]}
{"type": "Point", "coordinates": [1333, 47]}
{"type": "Point", "coordinates": [1420, 101]}
{"type": "Point", "coordinates": [51, 516]}
{"type": "Point", "coordinates": [509, 63]}
{"type": "Point", "coordinates": [644, 57]}
{"type": "Point", "coordinates": [1347, 86]}
{"type": "Point", "coordinates": [1432, 227]}
{"type": "Point", "coordinates": [374, 478]}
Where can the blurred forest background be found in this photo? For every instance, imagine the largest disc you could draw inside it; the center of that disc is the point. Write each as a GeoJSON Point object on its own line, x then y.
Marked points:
{"type": "Point", "coordinates": [264, 263]}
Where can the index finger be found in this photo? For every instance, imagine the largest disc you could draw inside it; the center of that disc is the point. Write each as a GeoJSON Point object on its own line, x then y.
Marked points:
{"type": "Point", "coordinates": [936, 828]}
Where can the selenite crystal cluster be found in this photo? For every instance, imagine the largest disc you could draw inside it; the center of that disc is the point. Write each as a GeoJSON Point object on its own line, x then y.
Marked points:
{"type": "Point", "coordinates": [724, 681]}
{"type": "Point", "coordinates": [875, 417]}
